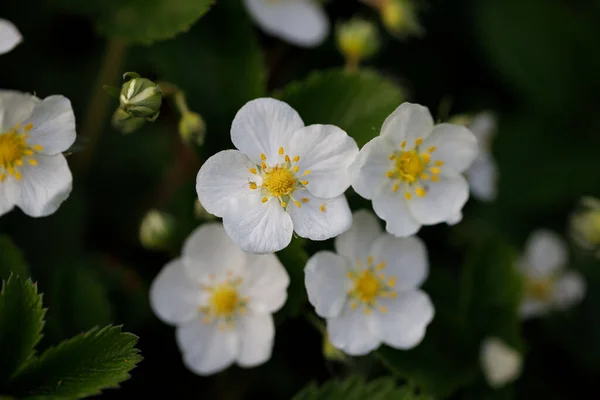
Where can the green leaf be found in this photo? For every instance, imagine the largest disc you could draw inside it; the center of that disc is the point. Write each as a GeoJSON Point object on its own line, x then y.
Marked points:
{"type": "Point", "coordinates": [112, 91]}
{"type": "Point", "coordinates": [357, 102]}
{"type": "Point", "coordinates": [11, 259]}
{"type": "Point", "coordinates": [294, 258]}
{"type": "Point", "coordinates": [146, 21]}
{"type": "Point", "coordinates": [80, 367]}
{"type": "Point", "coordinates": [21, 322]}
{"type": "Point", "coordinates": [355, 388]}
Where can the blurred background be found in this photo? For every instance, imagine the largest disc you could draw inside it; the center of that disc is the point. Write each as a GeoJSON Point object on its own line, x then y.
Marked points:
{"type": "Point", "coordinates": [535, 63]}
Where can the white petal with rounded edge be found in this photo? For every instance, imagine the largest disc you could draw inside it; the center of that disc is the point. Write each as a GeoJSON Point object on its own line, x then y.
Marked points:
{"type": "Point", "coordinates": [531, 308]}
{"type": "Point", "coordinates": [45, 186]}
{"type": "Point", "coordinates": [443, 201]}
{"type": "Point", "coordinates": [266, 283]}
{"type": "Point", "coordinates": [368, 171]}
{"type": "Point", "coordinates": [326, 283]}
{"type": "Point", "coordinates": [327, 152]}
{"type": "Point", "coordinates": [483, 126]}
{"type": "Point", "coordinates": [209, 254]}
{"type": "Point", "coordinates": [320, 219]}
{"type": "Point", "coordinates": [408, 122]}
{"type": "Point", "coordinates": [9, 195]}
{"type": "Point", "coordinates": [206, 349]}
{"type": "Point", "coordinates": [405, 258]}
{"type": "Point", "coordinates": [10, 36]}
{"type": "Point", "coordinates": [257, 333]}
{"type": "Point", "coordinates": [355, 243]}
{"type": "Point", "coordinates": [455, 219]}
{"type": "Point", "coordinates": [402, 326]}
{"type": "Point", "coordinates": [300, 22]}
{"type": "Point", "coordinates": [483, 178]}
{"type": "Point", "coordinates": [455, 145]}
{"type": "Point", "coordinates": [53, 125]}
{"type": "Point", "coordinates": [15, 107]}
{"type": "Point", "coordinates": [259, 227]}
{"type": "Point", "coordinates": [223, 177]}
{"type": "Point", "coordinates": [545, 253]}
{"type": "Point", "coordinates": [173, 297]}
{"type": "Point", "coordinates": [569, 290]}
{"type": "Point", "coordinates": [352, 332]}
{"type": "Point", "coordinates": [500, 363]}
{"type": "Point", "coordinates": [262, 126]}
{"type": "Point", "coordinates": [392, 207]}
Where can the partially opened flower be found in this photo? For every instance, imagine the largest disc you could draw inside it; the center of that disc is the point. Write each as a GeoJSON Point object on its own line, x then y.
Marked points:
{"type": "Point", "coordinates": [286, 177]}
{"type": "Point", "coordinates": [483, 174]}
{"type": "Point", "coordinates": [413, 170]}
{"type": "Point", "coordinates": [548, 285]}
{"type": "Point", "coordinates": [221, 300]}
{"type": "Point", "coordinates": [34, 174]}
{"type": "Point", "coordinates": [300, 22]}
{"type": "Point", "coordinates": [369, 291]}
{"type": "Point", "coordinates": [10, 36]}
{"type": "Point", "coordinates": [500, 363]}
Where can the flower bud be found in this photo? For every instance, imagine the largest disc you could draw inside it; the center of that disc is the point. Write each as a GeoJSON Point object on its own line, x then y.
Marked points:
{"type": "Point", "coordinates": [500, 363]}
{"type": "Point", "coordinates": [141, 98]}
{"type": "Point", "coordinates": [125, 122]}
{"type": "Point", "coordinates": [192, 128]}
{"type": "Point", "coordinates": [400, 17]}
{"type": "Point", "coordinates": [585, 225]}
{"type": "Point", "coordinates": [357, 40]}
{"type": "Point", "coordinates": [156, 230]}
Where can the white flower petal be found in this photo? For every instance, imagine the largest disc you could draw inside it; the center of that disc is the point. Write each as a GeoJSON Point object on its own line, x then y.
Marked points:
{"type": "Point", "coordinates": [320, 219]}
{"type": "Point", "coordinates": [408, 122]}
{"type": "Point", "coordinates": [10, 36]}
{"type": "Point", "coordinates": [402, 326]}
{"type": "Point", "coordinates": [569, 290]}
{"type": "Point", "coordinates": [262, 126]}
{"type": "Point", "coordinates": [455, 145]}
{"type": "Point", "coordinates": [393, 209]}
{"type": "Point", "coordinates": [443, 201]}
{"type": "Point", "coordinates": [53, 125]}
{"type": "Point", "coordinates": [326, 283]}
{"type": "Point", "coordinates": [483, 178]}
{"type": "Point", "coordinates": [259, 227]}
{"type": "Point", "coordinates": [206, 348]}
{"type": "Point", "coordinates": [173, 297]}
{"type": "Point", "coordinates": [223, 177]}
{"type": "Point", "coordinates": [15, 107]}
{"type": "Point", "coordinates": [483, 126]}
{"type": "Point", "coordinates": [209, 254]}
{"type": "Point", "coordinates": [405, 259]}
{"type": "Point", "coordinates": [266, 283]}
{"type": "Point", "coordinates": [9, 195]}
{"type": "Point", "coordinates": [455, 219]}
{"type": "Point", "coordinates": [256, 336]}
{"type": "Point", "coordinates": [352, 332]}
{"type": "Point", "coordinates": [327, 152]}
{"type": "Point", "coordinates": [500, 363]}
{"type": "Point", "coordinates": [45, 186]}
{"type": "Point", "coordinates": [545, 253]}
{"type": "Point", "coordinates": [355, 243]}
{"type": "Point", "coordinates": [300, 22]}
{"type": "Point", "coordinates": [531, 308]}
{"type": "Point", "coordinates": [368, 171]}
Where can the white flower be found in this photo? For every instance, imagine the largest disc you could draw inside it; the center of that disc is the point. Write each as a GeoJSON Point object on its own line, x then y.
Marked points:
{"type": "Point", "coordinates": [413, 170]}
{"type": "Point", "coordinates": [501, 364]}
{"type": "Point", "coordinates": [221, 300]}
{"type": "Point", "coordinates": [34, 174]}
{"type": "Point", "coordinates": [300, 22]}
{"type": "Point", "coordinates": [286, 177]}
{"type": "Point", "coordinates": [156, 230]}
{"type": "Point", "coordinates": [368, 291]}
{"type": "Point", "coordinates": [10, 36]}
{"type": "Point", "coordinates": [548, 285]}
{"type": "Point", "coordinates": [483, 174]}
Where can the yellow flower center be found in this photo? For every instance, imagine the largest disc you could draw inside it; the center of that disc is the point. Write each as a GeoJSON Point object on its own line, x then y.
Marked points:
{"type": "Point", "coordinates": [370, 284]}
{"type": "Point", "coordinates": [14, 151]}
{"type": "Point", "coordinates": [540, 289]}
{"type": "Point", "coordinates": [281, 180]}
{"type": "Point", "coordinates": [410, 168]}
{"type": "Point", "coordinates": [224, 302]}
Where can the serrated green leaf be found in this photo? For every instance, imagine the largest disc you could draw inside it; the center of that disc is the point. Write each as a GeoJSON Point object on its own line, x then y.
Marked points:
{"type": "Point", "coordinates": [294, 259]}
{"type": "Point", "coordinates": [11, 259]}
{"type": "Point", "coordinates": [21, 322]}
{"type": "Point", "coordinates": [146, 21]}
{"type": "Point", "coordinates": [357, 102]}
{"type": "Point", "coordinates": [355, 388]}
{"type": "Point", "coordinates": [80, 367]}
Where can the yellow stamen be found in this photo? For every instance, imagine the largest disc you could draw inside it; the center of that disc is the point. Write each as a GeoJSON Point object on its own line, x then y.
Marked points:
{"type": "Point", "coordinates": [252, 185]}
{"type": "Point", "coordinates": [403, 144]}
{"type": "Point", "coordinates": [431, 149]}
{"type": "Point", "coordinates": [28, 127]}
{"type": "Point", "coordinates": [263, 157]}
{"type": "Point", "coordinates": [307, 172]}
{"type": "Point", "coordinates": [283, 204]}
{"type": "Point", "coordinates": [281, 150]}
{"type": "Point", "coordinates": [253, 171]}
{"type": "Point", "coordinates": [264, 199]}
{"type": "Point", "coordinates": [322, 208]}
{"type": "Point", "coordinates": [435, 178]}
{"type": "Point", "coordinates": [304, 182]}
{"type": "Point", "coordinates": [297, 203]}
{"type": "Point", "coordinates": [424, 177]}
{"type": "Point", "coordinates": [32, 162]}
{"type": "Point", "coordinates": [305, 199]}
{"type": "Point", "coordinates": [420, 192]}
{"type": "Point", "coordinates": [296, 168]}
{"type": "Point", "coordinates": [395, 188]}
{"type": "Point", "coordinates": [435, 170]}
{"type": "Point", "coordinates": [439, 163]}
{"type": "Point", "coordinates": [393, 156]}
{"type": "Point", "coordinates": [407, 195]}
{"type": "Point", "coordinates": [418, 141]}
{"type": "Point", "coordinates": [297, 158]}
{"type": "Point", "coordinates": [287, 158]}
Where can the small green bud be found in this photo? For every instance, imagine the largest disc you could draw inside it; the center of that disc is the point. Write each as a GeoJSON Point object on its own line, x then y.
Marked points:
{"type": "Point", "coordinates": [400, 17]}
{"type": "Point", "coordinates": [192, 128]}
{"type": "Point", "coordinates": [141, 98]}
{"type": "Point", "coordinates": [357, 40]}
{"type": "Point", "coordinates": [585, 225]}
{"type": "Point", "coordinates": [125, 122]}
{"type": "Point", "coordinates": [330, 352]}
{"type": "Point", "coordinates": [156, 230]}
